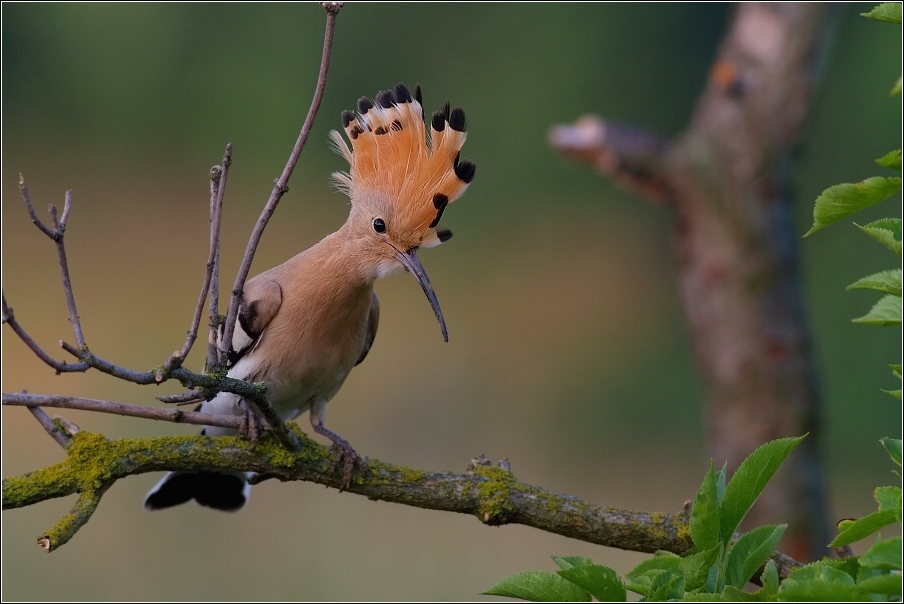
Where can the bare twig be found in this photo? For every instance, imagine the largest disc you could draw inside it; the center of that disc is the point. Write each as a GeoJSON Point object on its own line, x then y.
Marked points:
{"type": "Point", "coordinates": [178, 357]}
{"type": "Point", "coordinates": [185, 398]}
{"type": "Point", "coordinates": [57, 235]}
{"type": "Point", "coordinates": [50, 426]}
{"type": "Point", "coordinates": [281, 185]}
{"type": "Point", "coordinates": [60, 366]}
{"type": "Point", "coordinates": [35, 401]}
{"type": "Point", "coordinates": [217, 180]}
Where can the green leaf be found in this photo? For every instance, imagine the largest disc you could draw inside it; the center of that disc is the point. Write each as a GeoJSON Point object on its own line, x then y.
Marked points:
{"type": "Point", "coordinates": [566, 562]}
{"type": "Point", "coordinates": [891, 160]}
{"type": "Point", "coordinates": [651, 566]}
{"type": "Point", "coordinates": [539, 587]}
{"type": "Point", "coordinates": [601, 581]}
{"type": "Point", "coordinates": [749, 481]}
{"type": "Point", "coordinates": [845, 199]}
{"type": "Point", "coordinates": [733, 594]}
{"type": "Point", "coordinates": [896, 89]}
{"type": "Point", "coordinates": [890, 12]}
{"type": "Point", "coordinates": [889, 498]}
{"type": "Point", "coordinates": [893, 446]}
{"type": "Point", "coordinates": [896, 370]}
{"type": "Point", "coordinates": [819, 582]}
{"type": "Point", "coordinates": [696, 567]}
{"type": "Point", "coordinates": [769, 578]}
{"type": "Point", "coordinates": [894, 393]}
{"type": "Point", "coordinates": [864, 527]}
{"type": "Point", "coordinates": [704, 522]}
{"type": "Point", "coordinates": [882, 584]}
{"type": "Point", "coordinates": [750, 552]}
{"type": "Point", "coordinates": [887, 311]}
{"type": "Point", "coordinates": [888, 282]}
{"type": "Point", "coordinates": [884, 555]}
{"type": "Point", "coordinates": [886, 231]}
{"type": "Point", "coordinates": [666, 586]}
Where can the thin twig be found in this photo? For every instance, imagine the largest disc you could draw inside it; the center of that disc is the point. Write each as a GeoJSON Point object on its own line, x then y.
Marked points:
{"type": "Point", "coordinates": [185, 398]}
{"type": "Point", "coordinates": [50, 426]}
{"type": "Point", "coordinates": [217, 178]}
{"type": "Point", "coordinates": [87, 404]}
{"type": "Point", "coordinates": [57, 235]}
{"type": "Point", "coordinates": [281, 185]}
{"type": "Point", "coordinates": [178, 357]}
{"type": "Point", "coordinates": [59, 366]}
{"type": "Point", "coordinates": [31, 209]}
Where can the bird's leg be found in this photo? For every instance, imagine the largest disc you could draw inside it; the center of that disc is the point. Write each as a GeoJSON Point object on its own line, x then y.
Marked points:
{"type": "Point", "coordinates": [346, 456]}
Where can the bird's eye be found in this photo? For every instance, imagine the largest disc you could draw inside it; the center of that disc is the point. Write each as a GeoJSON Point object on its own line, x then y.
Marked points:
{"type": "Point", "coordinates": [379, 225]}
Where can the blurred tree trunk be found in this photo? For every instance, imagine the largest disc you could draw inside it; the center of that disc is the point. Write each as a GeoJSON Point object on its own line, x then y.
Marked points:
{"type": "Point", "coordinates": [728, 176]}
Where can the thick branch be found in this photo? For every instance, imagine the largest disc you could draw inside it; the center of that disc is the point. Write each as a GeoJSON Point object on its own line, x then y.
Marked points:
{"type": "Point", "coordinates": [728, 176]}
{"type": "Point", "coordinates": [492, 494]}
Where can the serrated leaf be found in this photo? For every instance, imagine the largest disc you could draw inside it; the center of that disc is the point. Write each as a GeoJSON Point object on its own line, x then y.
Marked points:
{"type": "Point", "coordinates": [893, 446]}
{"type": "Point", "coordinates": [894, 393]}
{"type": "Point", "coordinates": [884, 555]}
{"type": "Point", "coordinates": [882, 584]}
{"type": "Point", "coordinates": [864, 527]}
{"type": "Point", "coordinates": [566, 562]}
{"type": "Point", "coordinates": [749, 481]}
{"type": "Point", "coordinates": [845, 199]}
{"type": "Point", "coordinates": [601, 581]}
{"type": "Point", "coordinates": [750, 552]}
{"type": "Point", "coordinates": [889, 498]}
{"type": "Point", "coordinates": [704, 597]}
{"type": "Point", "coordinates": [696, 567]}
{"type": "Point", "coordinates": [819, 582]}
{"type": "Point", "coordinates": [539, 587]}
{"type": "Point", "coordinates": [891, 160]}
{"type": "Point", "coordinates": [896, 89]}
{"type": "Point", "coordinates": [705, 513]}
{"type": "Point", "coordinates": [887, 311]}
{"type": "Point", "coordinates": [886, 231]}
{"type": "Point", "coordinates": [888, 282]}
{"type": "Point", "coordinates": [890, 12]}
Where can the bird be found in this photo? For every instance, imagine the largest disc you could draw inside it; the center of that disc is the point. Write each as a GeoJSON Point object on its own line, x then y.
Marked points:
{"type": "Point", "coordinates": [304, 325]}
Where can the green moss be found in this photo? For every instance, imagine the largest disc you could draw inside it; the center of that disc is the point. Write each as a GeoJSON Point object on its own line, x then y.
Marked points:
{"type": "Point", "coordinates": [496, 491]}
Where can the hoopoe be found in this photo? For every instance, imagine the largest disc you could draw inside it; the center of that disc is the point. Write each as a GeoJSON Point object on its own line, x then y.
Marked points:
{"type": "Point", "coordinates": [306, 323]}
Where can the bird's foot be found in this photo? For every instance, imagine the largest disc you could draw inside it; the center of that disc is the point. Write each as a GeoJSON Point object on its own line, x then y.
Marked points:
{"type": "Point", "coordinates": [252, 425]}
{"type": "Point", "coordinates": [346, 457]}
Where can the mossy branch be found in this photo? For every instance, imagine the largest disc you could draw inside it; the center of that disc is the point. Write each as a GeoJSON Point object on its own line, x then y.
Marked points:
{"type": "Point", "coordinates": [492, 494]}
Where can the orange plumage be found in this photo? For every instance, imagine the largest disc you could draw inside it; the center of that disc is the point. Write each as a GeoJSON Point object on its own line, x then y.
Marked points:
{"type": "Point", "coordinates": [403, 173]}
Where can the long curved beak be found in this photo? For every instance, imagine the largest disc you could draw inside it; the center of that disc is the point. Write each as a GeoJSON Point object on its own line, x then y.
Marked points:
{"type": "Point", "coordinates": [411, 262]}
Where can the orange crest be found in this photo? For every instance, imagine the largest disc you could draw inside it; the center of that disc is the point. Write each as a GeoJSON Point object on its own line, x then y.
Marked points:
{"type": "Point", "coordinates": [396, 166]}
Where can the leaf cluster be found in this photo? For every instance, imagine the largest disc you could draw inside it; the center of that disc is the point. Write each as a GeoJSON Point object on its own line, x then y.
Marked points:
{"type": "Point", "coordinates": [715, 570]}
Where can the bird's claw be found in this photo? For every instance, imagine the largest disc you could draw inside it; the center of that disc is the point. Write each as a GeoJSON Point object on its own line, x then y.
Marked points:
{"type": "Point", "coordinates": [252, 425]}
{"type": "Point", "coordinates": [349, 460]}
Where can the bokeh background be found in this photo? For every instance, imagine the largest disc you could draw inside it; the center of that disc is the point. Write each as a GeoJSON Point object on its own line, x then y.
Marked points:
{"type": "Point", "coordinates": [568, 350]}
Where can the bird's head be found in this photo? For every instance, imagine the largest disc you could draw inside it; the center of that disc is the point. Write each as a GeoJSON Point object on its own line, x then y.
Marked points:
{"type": "Point", "coordinates": [401, 179]}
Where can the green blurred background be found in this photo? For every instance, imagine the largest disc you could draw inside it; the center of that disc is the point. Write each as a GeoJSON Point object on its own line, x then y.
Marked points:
{"type": "Point", "coordinates": [568, 349]}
